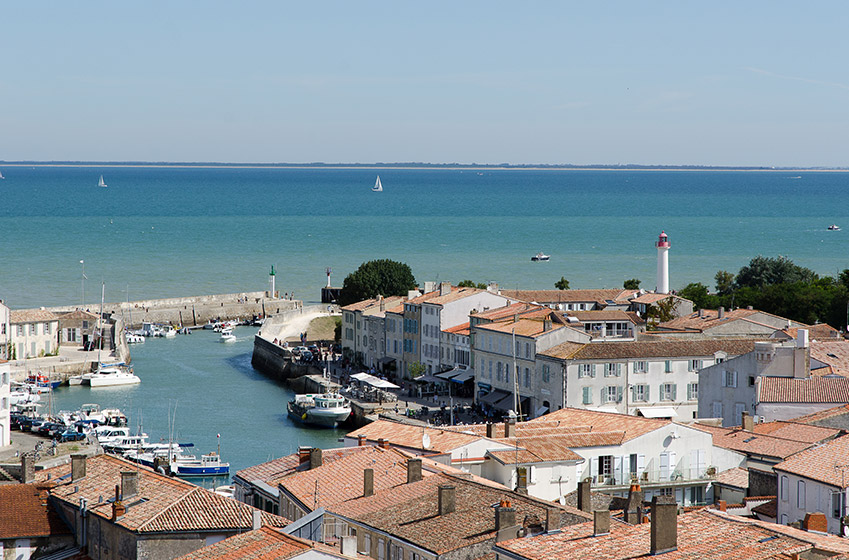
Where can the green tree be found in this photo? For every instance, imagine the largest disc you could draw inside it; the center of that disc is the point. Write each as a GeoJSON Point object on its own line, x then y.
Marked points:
{"type": "Point", "coordinates": [698, 294]}
{"type": "Point", "coordinates": [416, 369]}
{"type": "Point", "coordinates": [562, 284]}
{"type": "Point", "coordinates": [471, 284]}
{"type": "Point", "coordinates": [660, 312]}
{"type": "Point", "coordinates": [632, 284]}
{"type": "Point", "coordinates": [724, 282]}
{"type": "Point", "coordinates": [766, 271]}
{"type": "Point", "coordinates": [381, 277]}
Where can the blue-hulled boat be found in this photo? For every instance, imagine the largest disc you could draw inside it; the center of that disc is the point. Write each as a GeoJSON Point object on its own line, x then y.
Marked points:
{"type": "Point", "coordinates": [208, 465]}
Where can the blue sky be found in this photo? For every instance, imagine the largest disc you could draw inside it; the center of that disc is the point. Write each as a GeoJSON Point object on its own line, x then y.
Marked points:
{"type": "Point", "coordinates": [711, 83]}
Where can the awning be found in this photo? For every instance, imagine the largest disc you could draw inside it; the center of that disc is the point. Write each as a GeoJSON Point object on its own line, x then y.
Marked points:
{"type": "Point", "coordinates": [540, 411]}
{"type": "Point", "coordinates": [374, 381]}
{"type": "Point", "coordinates": [385, 360]}
{"type": "Point", "coordinates": [428, 378]}
{"type": "Point", "coordinates": [506, 403]}
{"type": "Point", "coordinates": [464, 376]}
{"type": "Point", "coordinates": [658, 412]}
{"type": "Point", "coordinates": [446, 375]}
{"type": "Point", "coordinates": [494, 396]}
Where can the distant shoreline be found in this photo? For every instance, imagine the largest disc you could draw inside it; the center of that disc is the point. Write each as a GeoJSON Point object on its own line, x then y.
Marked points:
{"type": "Point", "coordinates": [143, 165]}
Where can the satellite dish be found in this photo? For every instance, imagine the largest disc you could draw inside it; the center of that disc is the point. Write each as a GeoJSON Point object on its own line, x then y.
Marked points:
{"type": "Point", "coordinates": [425, 441]}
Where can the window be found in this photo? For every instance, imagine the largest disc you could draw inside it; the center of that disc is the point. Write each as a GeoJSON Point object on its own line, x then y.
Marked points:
{"type": "Point", "coordinates": [611, 394]}
{"type": "Point", "coordinates": [838, 504]}
{"type": "Point", "coordinates": [612, 370]}
{"type": "Point", "coordinates": [641, 367]}
{"type": "Point", "coordinates": [719, 360]}
{"type": "Point", "coordinates": [641, 393]}
{"type": "Point", "coordinates": [730, 379]}
{"type": "Point", "coordinates": [33, 328]}
{"type": "Point", "coordinates": [801, 498]}
{"type": "Point", "coordinates": [784, 489]}
{"type": "Point", "coordinates": [694, 365]}
{"type": "Point", "coordinates": [717, 409]}
{"type": "Point", "coordinates": [507, 374]}
{"type": "Point", "coordinates": [490, 369]}
{"type": "Point", "coordinates": [587, 395]}
{"type": "Point", "coordinates": [498, 371]}
{"type": "Point", "coordinates": [527, 349]}
{"type": "Point", "coordinates": [692, 391]}
{"type": "Point", "coordinates": [605, 465]}
{"type": "Point", "coordinates": [739, 409]}
{"type": "Point", "coordinates": [20, 330]}
{"type": "Point", "coordinates": [46, 328]}
{"type": "Point", "coordinates": [586, 370]}
{"type": "Point", "coordinates": [527, 377]}
{"type": "Point", "coordinates": [546, 373]}
{"type": "Point", "coordinates": [751, 381]}
{"type": "Point", "coordinates": [367, 543]}
{"type": "Point", "coordinates": [667, 366]}
{"type": "Point", "coordinates": [667, 391]}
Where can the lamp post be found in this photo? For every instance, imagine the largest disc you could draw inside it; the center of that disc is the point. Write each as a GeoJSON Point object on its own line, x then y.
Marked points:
{"type": "Point", "coordinates": [82, 288]}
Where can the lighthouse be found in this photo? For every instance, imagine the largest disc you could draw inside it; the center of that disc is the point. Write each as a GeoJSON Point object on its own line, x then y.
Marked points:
{"type": "Point", "coordinates": [662, 264]}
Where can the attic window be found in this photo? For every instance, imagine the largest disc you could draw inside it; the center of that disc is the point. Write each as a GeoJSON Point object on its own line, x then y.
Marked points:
{"type": "Point", "coordinates": [830, 355]}
{"type": "Point", "coordinates": [767, 539]}
{"type": "Point", "coordinates": [747, 440]}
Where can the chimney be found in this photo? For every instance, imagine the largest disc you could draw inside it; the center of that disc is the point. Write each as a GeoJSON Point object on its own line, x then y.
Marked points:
{"type": "Point", "coordinates": [77, 467]}
{"type": "Point", "coordinates": [444, 288]}
{"type": "Point", "coordinates": [492, 287]}
{"type": "Point", "coordinates": [701, 313]}
{"type": "Point", "coordinates": [601, 522]}
{"type": "Point", "coordinates": [447, 496]}
{"type": "Point", "coordinates": [129, 484]}
{"type": "Point", "coordinates": [315, 458]}
{"type": "Point", "coordinates": [414, 470]}
{"type": "Point", "coordinates": [510, 426]}
{"type": "Point", "coordinates": [505, 516]}
{"type": "Point", "coordinates": [490, 430]}
{"type": "Point", "coordinates": [303, 455]}
{"type": "Point", "coordinates": [552, 520]}
{"type": "Point", "coordinates": [723, 505]}
{"type": "Point", "coordinates": [664, 525]}
{"type": "Point", "coordinates": [348, 546]}
{"type": "Point", "coordinates": [815, 523]}
{"type": "Point", "coordinates": [27, 469]}
{"type": "Point", "coordinates": [749, 307]}
{"type": "Point", "coordinates": [634, 505]}
{"type": "Point", "coordinates": [748, 422]}
{"type": "Point", "coordinates": [361, 440]}
{"type": "Point", "coordinates": [720, 313]}
{"type": "Point", "coordinates": [584, 495]}
{"type": "Point", "coordinates": [383, 443]}
{"type": "Point", "coordinates": [429, 287]}
{"type": "Point", "coordinates": [118, 509]}
{"type": "Point", "coordinates": [368, 482]}
{"type": "Point", "coordinates": [802, 338]}
{"type": "Point", "coordinates": [256, 519]}
{"type": "Point", "coordinates": [382, 304]}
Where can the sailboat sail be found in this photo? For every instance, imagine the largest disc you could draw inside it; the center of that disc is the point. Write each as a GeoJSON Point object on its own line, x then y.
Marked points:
{"type": "Point", "coordinates": [1, 175]}
{"type": "Point", "coordinates": [101, 182]}
{"type": "Point", "coordinates": [378, 186]}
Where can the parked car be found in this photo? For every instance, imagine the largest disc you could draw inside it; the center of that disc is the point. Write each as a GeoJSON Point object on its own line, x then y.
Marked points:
{"type": "Point", "coordinates": [70, 435]}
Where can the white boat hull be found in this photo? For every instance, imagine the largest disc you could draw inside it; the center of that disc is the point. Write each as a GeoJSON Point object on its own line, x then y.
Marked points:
{"type": "Point", "coordinates": [110, 380]}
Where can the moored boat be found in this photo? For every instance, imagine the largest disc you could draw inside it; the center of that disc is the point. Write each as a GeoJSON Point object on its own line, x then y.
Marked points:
{"type": "Point", "coordinates": [228, 336]}
{"type": "Point", "coordinates": [540, 257]}
{"type": "Point", "coordinates": [326, 409]}
{"type": "Point", "coordinates": [208, 465]}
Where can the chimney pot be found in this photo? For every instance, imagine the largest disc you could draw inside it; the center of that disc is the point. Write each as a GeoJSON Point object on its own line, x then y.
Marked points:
{"type": "Point", "coordinates": [368, 482]}
{"type": "Point", "coordinates": [748, 422]}
{"type": "Point", "coordinates": [510, 427]}
{"type": "Point", "coordinates": [634, 507]}
{"type": "Point", "coordinates": [664, 525]}
{"type": "Point", "coordinates": [303, 455]}
{"type": "Point", "coordinates": [584, 495]}
{"type": "Point", "coordinates": [601, 522]}
{"type": "Point", "coordinates": [77, 467]}
{"type": "Point", "coordinates": [414, 470]}
{"type": "Point", "coordinates": [490, 430]}
{"type": "Point", "coordinates": [447, 496]}
{"type": "Point", "coordinates": [315, 458]}
{"type": "Point", "coordinates": [361, 440]}
{"type": "Point", "coordinates": [256, 519]}
{"type": "Point", "coordinates": [129, 484]}
{"type": "Point", "coordinates": [383, 443]}
{"type": "Point", "coordinates": [118, 509]}
{"type": "Point", "coordinates": [723, 505]}
{"type": "Point", "coordinates": [505, 516]}
{"type": "Point", "coordinates": [721, 313]}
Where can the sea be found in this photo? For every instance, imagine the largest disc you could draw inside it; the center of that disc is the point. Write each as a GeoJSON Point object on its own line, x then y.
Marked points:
{"type": "Point", "coordinates": [169, 231]}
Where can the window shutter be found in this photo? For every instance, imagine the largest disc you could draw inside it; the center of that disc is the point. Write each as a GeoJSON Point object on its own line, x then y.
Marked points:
{"type": "Point", "coordinates": [648, 392]}
{"type": "Point", "coordinates": [592, 369]}
{"type": "Point", "coordinates": [735, 379]}
{"type": "Point", "coordinates": [618, 370]}
{"type": "Point", "coordinates": [633, 393]}
{"type": "Point", "coordinates": [594, 468]}
{"type": "Point", "coordinates": [641, 463]}
{"type": "Point", "coordinates": [619, 393]}
{"type": "Point", "coordinates": [674, 392]}
{"type": "Point", "coordinates": [603, 395]}
{"type": "Point", "coordinates": [724, 377]}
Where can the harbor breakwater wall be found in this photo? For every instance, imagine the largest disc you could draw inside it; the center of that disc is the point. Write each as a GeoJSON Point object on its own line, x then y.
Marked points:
{"type": "Point", "coordinates": [193, 310]}
{"type": "Point", "coordinates": [272, 359]}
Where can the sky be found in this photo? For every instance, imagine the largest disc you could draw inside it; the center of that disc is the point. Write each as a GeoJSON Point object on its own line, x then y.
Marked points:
{"type": "Point", "coordinates": [760, 83]}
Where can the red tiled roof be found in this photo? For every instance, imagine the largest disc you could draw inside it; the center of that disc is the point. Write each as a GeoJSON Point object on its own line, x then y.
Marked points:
{"type": "Point", "coordinates": [277, 469]}
{"type": "Point", "coordinates": [539, 449]}
{"type": "Point", "coordinates": [796, 431]}
{"type": "Point", "coordinates": [410, 511]}
{"type": "Point", "coordinates": [737, 477]}
{"type": "Point", "coordinates": [821, 415]}
{"type": "Point", "coordinates": [825, 463]}
{"type": "Point", "coordinates": [835, 354]}
{"type": "Point", "coordinates": [768, 509]}
{"type": "Point", "coordinates": [25, 512]}
{"type": "Point", "coordinates": [507, 311]}
{"type": "Point", "coordinates": [261, 544]}
{"type": "Point", "coordinates": [752, 443]}
{"type": "Point", "coordinates": [702, 534]}
{"type": "Point", "coordinates": [405, 435]}
{"type": "Point", "coordinates": [567, 296]}
{"type": "Point", "coordinates": [163, 504]}
{"type": "Point", "coordinates": [675, 348]}
{"type": "Point", "coordinates": [807, 390]}
{"type": "Point", "coordinates": [31, 316]}
{"type": "Point", "coordinates": [630, 426]}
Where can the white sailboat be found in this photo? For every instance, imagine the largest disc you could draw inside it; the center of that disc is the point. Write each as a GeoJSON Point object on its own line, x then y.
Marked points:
{"type": "Point", "coordinates": [101, 182]}
{"type": "Point", "coordinates": [378, 186]}
{"type": "Point", "coordinates": [1, 175]}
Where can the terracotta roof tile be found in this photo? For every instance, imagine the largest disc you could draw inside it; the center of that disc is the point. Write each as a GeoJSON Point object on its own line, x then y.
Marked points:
{"type": "Point", "coordinates": [675, 348]}
{"type": "Point", "coordinates": [507, 311]}
{"type": "Point", "coordinates": [708, 319]}
{"type": "Point", "coordinates": [630, 426]}
{"type": "Point", "coordinates": [737, 477]}
{"type": "Point", "coordinates": [277, 469]}
{"type": "Point", "coordinates": [162, 503]}
{"type": "Point", "coordinates": [702, 534]}
{"type": "Point", "coordinates": [261, 544]}
{"type": "Point", "coordinates": [31, 316]}
{"type": "Point", "coordinates": [410, 437]}
{"type": "Point", "coordinates": [815, 417]}
{"type": "Point", "coordinates": [25, 512]}
{"type": "Point", "coordinates": [567, 296]}
{"type": "Point", "coordinates": [796, 431]}
{"type": "Point", "coordinates": [752, 443]}
{"type": "Point", "coordinates": [825, 463]}
{"type": "Point", "coordinates": [809, 390]}
{"type": "Point", "coordinates": [834, 354]}
{"type": "Point", "coordinates": [768, 509]}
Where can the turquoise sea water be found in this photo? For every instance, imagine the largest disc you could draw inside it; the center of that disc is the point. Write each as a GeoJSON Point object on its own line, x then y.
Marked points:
{"type": "Point", "coordinates": [160, 232]}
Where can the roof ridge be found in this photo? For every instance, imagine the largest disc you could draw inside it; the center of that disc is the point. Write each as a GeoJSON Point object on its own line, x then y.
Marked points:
{"type": "Point", "coordinates": [169, 508]}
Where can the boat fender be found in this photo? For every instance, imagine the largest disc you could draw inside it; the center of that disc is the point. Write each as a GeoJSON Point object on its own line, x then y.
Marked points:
{"type": "Point", "coordinates": [304, 417]}
{"type": "Point", "coordinates": [161, 470]}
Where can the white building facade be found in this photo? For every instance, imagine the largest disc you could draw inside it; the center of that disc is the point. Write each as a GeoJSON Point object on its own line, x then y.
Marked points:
{"type": "Point", "coordinates": [34, 333]}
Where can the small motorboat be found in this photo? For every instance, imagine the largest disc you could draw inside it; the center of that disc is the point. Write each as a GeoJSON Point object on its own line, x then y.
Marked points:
{"type": "Point", "coordinates": [228, 336]}
{"type": "Point", "coordinates": [326, 410]}
{"type": "Point", "coordinates": [208, 465]}
{"type": "Point", "coordinates": [834, 227]}
{"type": "Point", "coordinates": [540, 257]}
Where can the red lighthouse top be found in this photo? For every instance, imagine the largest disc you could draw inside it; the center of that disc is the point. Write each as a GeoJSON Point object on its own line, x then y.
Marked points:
{"type": "Point", "coordinates": [662, 240]}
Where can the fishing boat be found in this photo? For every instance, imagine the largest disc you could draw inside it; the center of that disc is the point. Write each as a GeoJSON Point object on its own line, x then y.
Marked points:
{"type": "Point", "coordinates": [208, 465]}
{"type": "Point", "coordinates": [111, 375]}
{"type": "Point", "coordinates": [326, 409]}
{"type": "Point", "coordinates": [101, 182]}
{"type": "Point", "coordinates": [834, 227]}
{"type": "Point", "coordinates": [42, 381]}
{"type": "Point", "coordinates": [378, 186]}
{"type": "Point", "coordinates": [540, 257]}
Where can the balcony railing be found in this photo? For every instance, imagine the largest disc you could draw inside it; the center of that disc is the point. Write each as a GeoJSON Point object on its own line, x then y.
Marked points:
{"type": "Point", "coordinates": [657, 476]}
